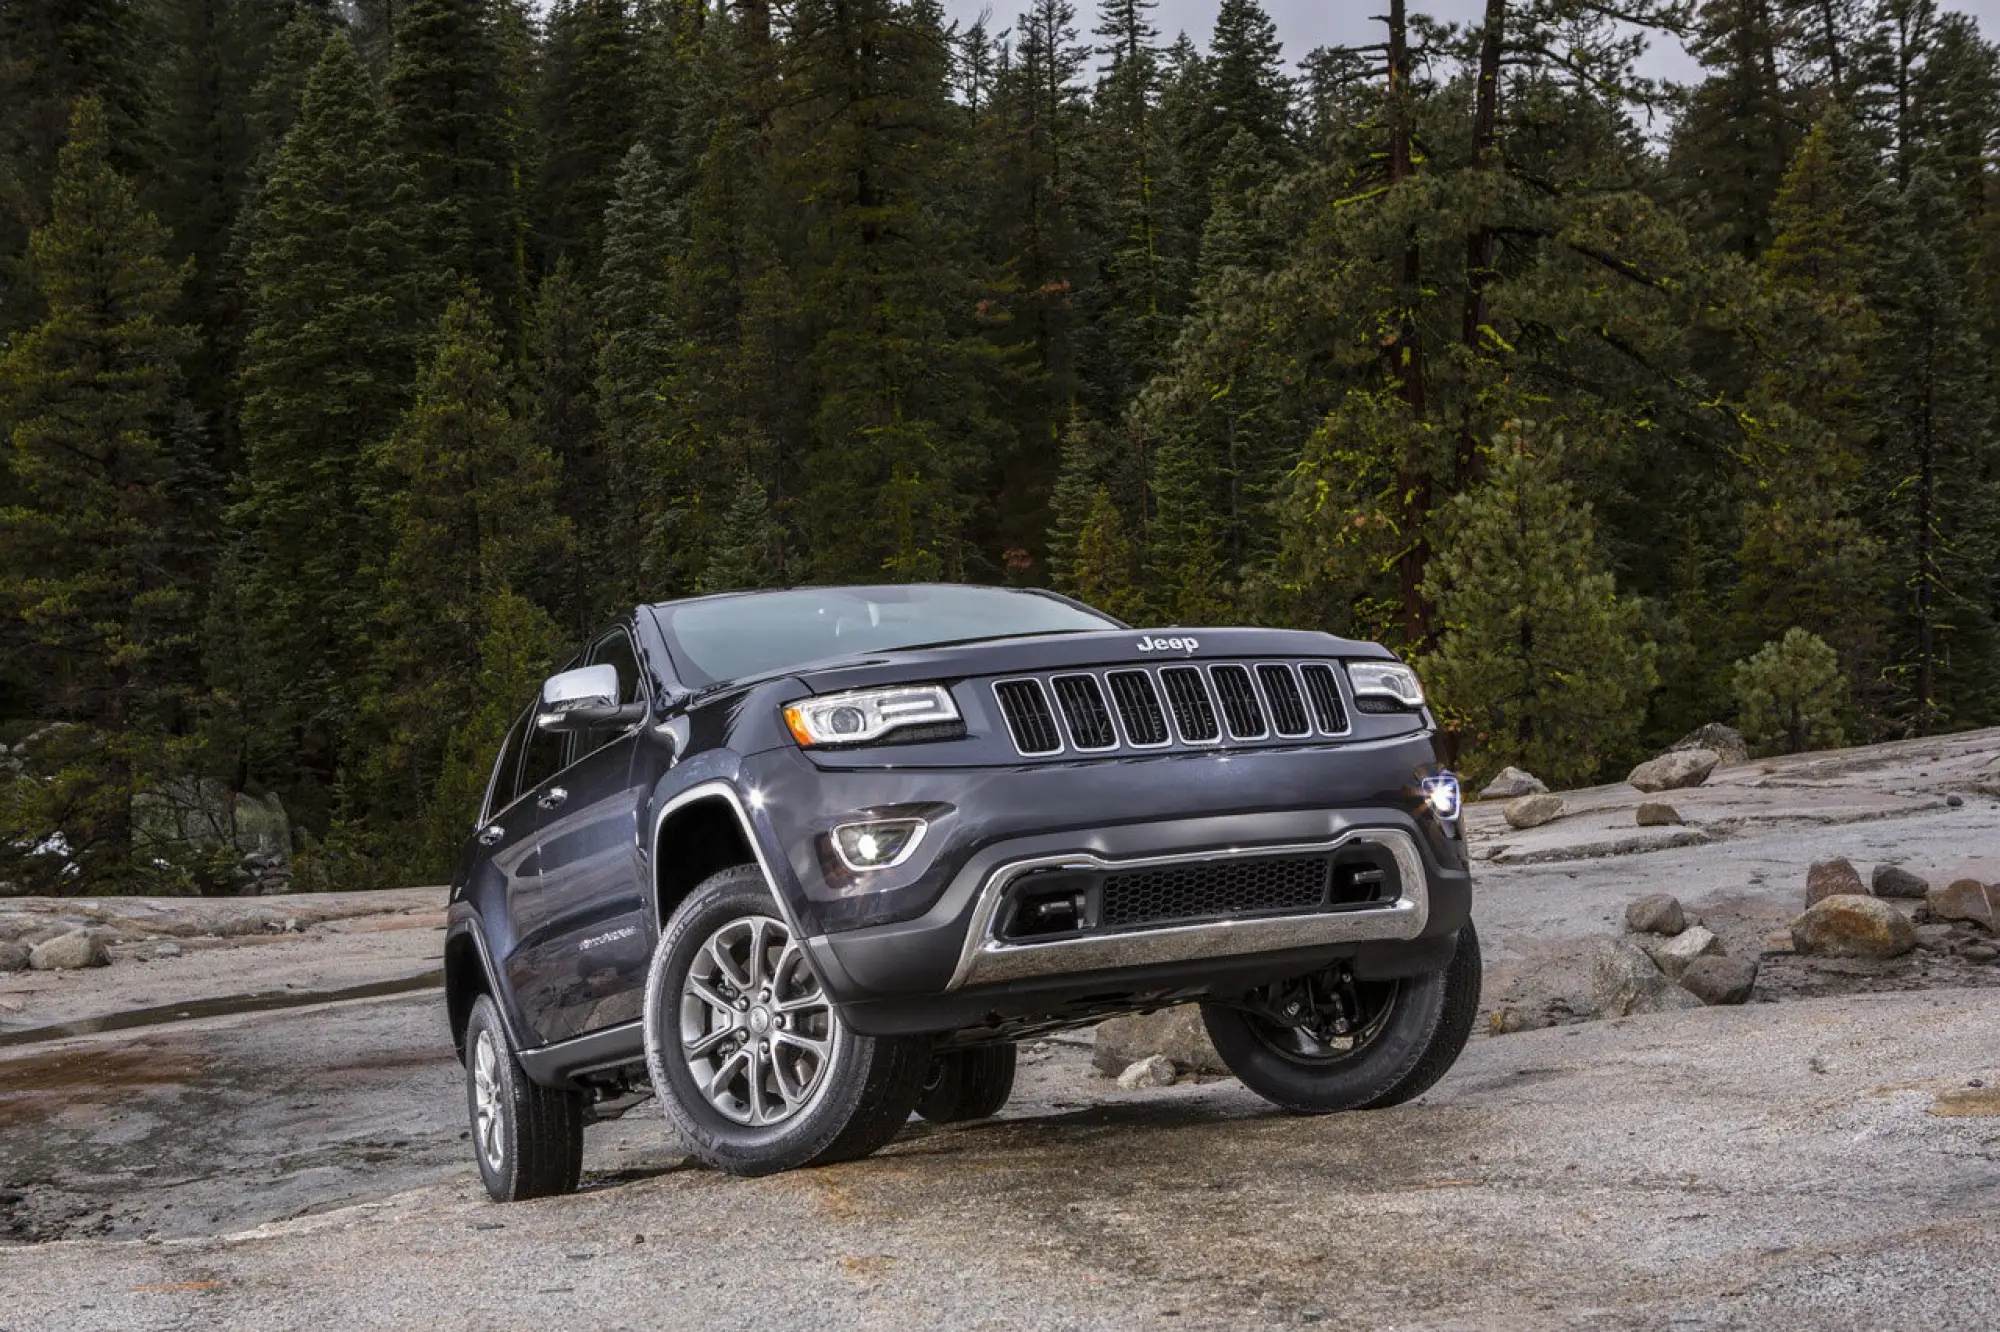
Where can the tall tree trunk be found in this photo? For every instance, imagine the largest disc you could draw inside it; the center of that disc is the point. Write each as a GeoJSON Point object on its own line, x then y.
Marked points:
{"type": "Point", "coordinates": [1926, 557]}
{"type": "Point", "coordinates": [1405, 355]}
{"type": "Point", "coordinates": [1479, 242]}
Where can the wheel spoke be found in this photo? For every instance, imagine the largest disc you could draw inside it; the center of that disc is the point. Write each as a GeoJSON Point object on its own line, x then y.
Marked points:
{"type": "Point", "coordinates": [706, 1045]}
{"type": "Point", "coordinates": [725, 965]}
{"type": "Point", "coordinates": [754, 977]}
{"type": "Point", "coordinates": [725, 1072]}
{"type": "Point", "coordinates": [708, 994]}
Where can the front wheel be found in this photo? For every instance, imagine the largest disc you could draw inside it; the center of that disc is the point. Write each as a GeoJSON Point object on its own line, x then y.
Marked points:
{"type": "Point", "coordinates": [749, 1057]}
{"type": "Point", "coordinates": [1329, 1042]}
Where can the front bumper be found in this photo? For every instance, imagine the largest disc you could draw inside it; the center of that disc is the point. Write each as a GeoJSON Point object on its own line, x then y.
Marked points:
{"type": "Point", "coordinates": [919, 949]}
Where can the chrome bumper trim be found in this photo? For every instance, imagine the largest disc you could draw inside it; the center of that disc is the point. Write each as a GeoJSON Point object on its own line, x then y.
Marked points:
{"type": "Point", "coordinates": [985, 959]}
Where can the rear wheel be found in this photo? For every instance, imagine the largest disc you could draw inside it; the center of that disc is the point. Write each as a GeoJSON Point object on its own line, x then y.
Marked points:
{"type": "Point", "coordinates": [750, 1058]}
{"type": "Point", "coordinates": [967, 1084]}
{"type": "Point", "coordinates": [528, 1139]}
{"type": "Point", "coordinates": [1329, 1042]}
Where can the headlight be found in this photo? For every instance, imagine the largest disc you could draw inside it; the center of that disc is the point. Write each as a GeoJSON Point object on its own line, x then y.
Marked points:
{"type": "Point", "coordinates": [1386, 679]}
{"type": "Point", "coordinates": [868, 714]}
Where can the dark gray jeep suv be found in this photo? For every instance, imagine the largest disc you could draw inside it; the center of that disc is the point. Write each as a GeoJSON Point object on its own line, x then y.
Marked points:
{"type": "Point", "coordinates": [802, 862]}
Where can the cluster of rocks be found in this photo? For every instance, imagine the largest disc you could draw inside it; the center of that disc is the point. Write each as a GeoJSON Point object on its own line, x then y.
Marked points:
{"type": "Point", "coordinates": [1847, 917]}
{"type": "Point", "coordinates": [1667, 960]}
{"type": "Point", "coordinates": [71, 950]}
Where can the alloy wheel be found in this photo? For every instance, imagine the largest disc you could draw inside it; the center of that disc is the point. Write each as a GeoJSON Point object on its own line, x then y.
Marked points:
{"type": "Point", "coordinates": [487, 1127]}
{"type": "Point", "coordinates": [756, 1031]}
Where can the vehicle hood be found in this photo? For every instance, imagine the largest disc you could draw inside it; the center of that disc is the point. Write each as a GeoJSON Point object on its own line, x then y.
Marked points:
{"type": "Point", "coordinates": [1054, 652]}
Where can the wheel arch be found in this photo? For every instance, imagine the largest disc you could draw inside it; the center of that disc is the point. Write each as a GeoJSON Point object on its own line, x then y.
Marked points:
{"type": "Point", "coordinates": [465, 979]}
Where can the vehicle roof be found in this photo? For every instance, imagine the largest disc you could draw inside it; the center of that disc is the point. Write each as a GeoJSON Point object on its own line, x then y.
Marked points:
{"type": "Point", "coordinates": [855, 587]}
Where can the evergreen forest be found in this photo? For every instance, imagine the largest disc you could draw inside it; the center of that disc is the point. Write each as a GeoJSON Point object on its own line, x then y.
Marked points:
{"type": "Point", "coordinates": [358, 357]}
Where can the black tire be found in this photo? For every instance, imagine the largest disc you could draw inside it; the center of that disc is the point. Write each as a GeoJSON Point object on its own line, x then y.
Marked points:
{"type": "Point", "coordinates": [531, 1145]}
{"type": "Point", "coordinates": [1406, 1049]}
{"type": "Point", "coordinates": [858, 1098]}
{"type": "Point", "coordinates": [967, 1084]}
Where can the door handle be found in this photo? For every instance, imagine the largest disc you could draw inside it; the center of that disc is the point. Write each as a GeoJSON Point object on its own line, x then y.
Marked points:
{"type": "Point", "coordinates": [554, 799]}
{"type": "Point", "coordinates": [491, 834]}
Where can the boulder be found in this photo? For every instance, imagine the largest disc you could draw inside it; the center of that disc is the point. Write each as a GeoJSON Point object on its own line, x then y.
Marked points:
{"type": "Point", "coordinates": [1717, 980]}
{"type": "Point", "coordinates": [1895, 881]}
{"type": "Point", "coordinates": [70, 952]}
{"type": "Point", "coordinates": [1674, 956]}
{"type": "Point", "coordinates": [1674, 770]}
{"type": "Point", "coordinates": [1658, 814]}
{"type": "Point", "coordinates": [1849, 926]}
{"type": "Point", "coordinates": [1655, 913]}
{"type": "Point", "coordinates": [1967, 900]}
{"type": "Point", "coordinates": [1512, 782]}
{"type": "Point", "coordinates": [1152, 1071]}
{"type": "Point", "coordinates": [14, 957]}
{"type": "Point", "coordinates": [1624, 982]}
{"type": "Point", "coordinates": [1532, 811]}
{"type": "Point", "coordinates": [1176, 1033]}
{"type": "Point", "coordinates": [1833, 878]}
{"type": "Point", "coordinates": [1726, 742]}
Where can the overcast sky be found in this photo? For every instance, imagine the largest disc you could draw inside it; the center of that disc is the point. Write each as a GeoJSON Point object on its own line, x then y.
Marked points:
{"type": "Point", "coordinates": [1305, 24]}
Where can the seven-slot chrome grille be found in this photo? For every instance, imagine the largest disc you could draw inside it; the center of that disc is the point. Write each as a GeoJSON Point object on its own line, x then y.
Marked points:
{"type": "Point", "coordinates": [1187, 703]}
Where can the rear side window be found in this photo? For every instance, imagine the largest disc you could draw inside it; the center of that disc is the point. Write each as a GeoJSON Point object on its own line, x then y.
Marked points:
{"type": "Point", "coordinates": [548, 754]}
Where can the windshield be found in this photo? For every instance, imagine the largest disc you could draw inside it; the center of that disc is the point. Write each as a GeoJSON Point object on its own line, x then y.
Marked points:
{"type": "Point", "coordinates": [732, 638]}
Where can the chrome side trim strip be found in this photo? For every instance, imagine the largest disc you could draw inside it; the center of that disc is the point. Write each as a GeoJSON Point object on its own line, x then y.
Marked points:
{"type": "Point", "coordinates": [986, 959]}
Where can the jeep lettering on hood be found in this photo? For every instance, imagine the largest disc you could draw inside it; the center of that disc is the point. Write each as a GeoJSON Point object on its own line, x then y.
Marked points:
{"type": "Point", "coordinates": [1187, 645]}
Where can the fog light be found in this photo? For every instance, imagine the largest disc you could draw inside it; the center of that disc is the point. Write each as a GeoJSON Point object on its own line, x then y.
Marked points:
{"type": "Point", "coordinates": [878, 845]}
{"type": "Point", "coordinates": [1442, 793]}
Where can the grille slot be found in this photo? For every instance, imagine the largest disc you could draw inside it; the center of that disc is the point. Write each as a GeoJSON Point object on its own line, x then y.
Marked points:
{"type": "Point", "coordinates": [1217, 888]}
{"type": "Point", "coordinates": [1029, 719]}
{"type": "Point", "coordinates": [1323, 692]}
{"type": "Point", "coordinates": [1083, 710]}
{"type": "Point", "coordinates": [1138, 708]}
{"type": "Point", "coordinates": [1240, 707]}
{"type": "Point", "coordinates": [1288, 706]}
{"type": "Point", "coordinates": [1187, 696]}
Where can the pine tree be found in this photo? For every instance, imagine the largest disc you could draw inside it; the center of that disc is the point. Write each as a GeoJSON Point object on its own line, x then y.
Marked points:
{"type": "Point", "coordinates": [559, 405]}
{"type": "Point", "coordinates": [1935, 464]}
{"type": "Point", "coordinates": [448, 106]}
{"type": "Point", "coordinates": [332, 310]}
{"type": "Point", "coordinates": [1790, 695]}
{"type": "Point", "coordinates": [748, 550]}
{"type": "Point", "coordinates": [51, 55]}
{"type": "Point", "coordinates": [645, 559]}
{"type": "Point", "coordinates": [1249, 92]}
{"type": "Point", "coordinates": [1735, 140]}
{"type": "Point", "coordinates": [1539, 662]}
{"type": "Point", "coordinates": [94, 590]}
{"type": "Point", "coordinates": [589, 105]}
{"type": "Point", "coordinates": [903, 421]}
{"type": "Point", "coordinates": [469, 517]}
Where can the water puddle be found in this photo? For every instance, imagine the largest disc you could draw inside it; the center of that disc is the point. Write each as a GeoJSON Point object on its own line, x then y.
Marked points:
{"type": "Point", "coordinates": [263, 1001]}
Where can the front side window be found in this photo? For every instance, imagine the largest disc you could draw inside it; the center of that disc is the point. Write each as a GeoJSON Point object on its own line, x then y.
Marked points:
{"type": "Point", "coordinates": [760, 633]}
{"type": "Point", "coordinates": [505, 785]}
{"type": "Point", "coordinates": [614, 649]}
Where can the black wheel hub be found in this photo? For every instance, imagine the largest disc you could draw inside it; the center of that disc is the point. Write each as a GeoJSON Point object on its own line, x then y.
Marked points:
{"type": "Point", "coordinates": [1320, 1018]}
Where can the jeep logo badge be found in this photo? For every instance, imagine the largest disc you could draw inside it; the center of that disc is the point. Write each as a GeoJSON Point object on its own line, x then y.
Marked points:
{"type": "Point", "coordinates": [1187, 645]}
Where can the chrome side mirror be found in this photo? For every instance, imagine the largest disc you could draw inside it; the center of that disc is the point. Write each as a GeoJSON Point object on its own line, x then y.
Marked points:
{"type": "Point", "coordinates": [584, 687]}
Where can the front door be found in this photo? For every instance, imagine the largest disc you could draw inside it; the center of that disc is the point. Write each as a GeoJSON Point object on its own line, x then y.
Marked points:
{"type": "Point", "coordinates": [592, 947]}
